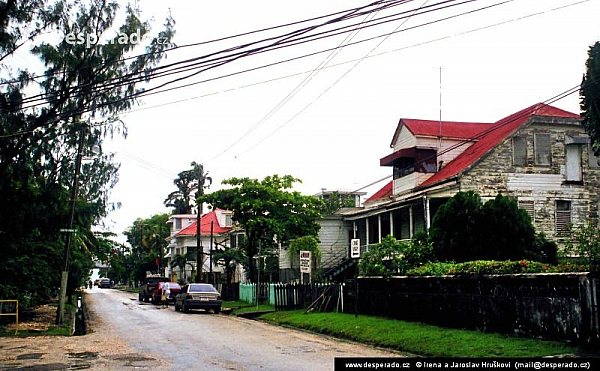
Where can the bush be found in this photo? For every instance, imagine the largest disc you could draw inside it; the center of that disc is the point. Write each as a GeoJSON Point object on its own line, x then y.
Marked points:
{"type": "Point", "coordinates": [392, 257]}
{"type": "Point", "coordinates": [480, 267]}
{"type": "Point", "coordinates": [465, 229]}
{"type": "Point", "coordinates": [383, 259]}
{"type": "Point", "coordinates": [585, 243]}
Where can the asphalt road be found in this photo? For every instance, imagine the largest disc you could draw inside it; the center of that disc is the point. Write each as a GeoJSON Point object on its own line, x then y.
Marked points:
{"type": "Point", "coordinates": [201, 340]}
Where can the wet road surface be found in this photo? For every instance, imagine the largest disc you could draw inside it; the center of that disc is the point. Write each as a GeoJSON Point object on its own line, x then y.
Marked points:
{"type": "Point", "coordinates": [201, 340]}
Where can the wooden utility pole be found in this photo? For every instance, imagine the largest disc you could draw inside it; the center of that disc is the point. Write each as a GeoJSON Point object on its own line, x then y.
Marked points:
{"type": "Point", "coordinates": [70, 231]}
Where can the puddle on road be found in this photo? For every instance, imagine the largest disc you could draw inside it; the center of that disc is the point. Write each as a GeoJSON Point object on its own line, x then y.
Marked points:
{"type": "Point", "coordinates": [25, 356]}
{"type": "Point", "coordinates": [80, 366]}
{"type": "Point", "coordinates": [130, 359]}
{"type": "Point", "coordinates": [84, 355]}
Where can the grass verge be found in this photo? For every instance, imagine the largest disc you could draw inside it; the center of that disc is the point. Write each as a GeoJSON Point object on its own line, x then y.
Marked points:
{"type": "Point", "coordinates": [243, 307]}
{"type": "Point", "coordinates": [418, 338]}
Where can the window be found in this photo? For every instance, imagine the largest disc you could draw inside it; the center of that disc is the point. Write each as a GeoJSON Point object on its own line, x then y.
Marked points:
{"type": "Point", "coordinates": [563, 215]}
{"type": "Point", "coordinates": [177, 223]}
{"type": "Point", "coordinates": [574, 171]}
{"type": "Point", "coordinates": [542, 149]}
{"type": "Point", "coordinates": [520, 150]}
{"type": "Point", "coordinates": [228, 220]}
{"type": "Point", "coordinates": [528, 206]}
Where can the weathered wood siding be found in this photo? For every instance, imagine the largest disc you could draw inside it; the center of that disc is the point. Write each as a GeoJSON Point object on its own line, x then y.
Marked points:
{"type": "Point", "coordinates": [334, 237]}
{"type": "Point", "coordinates": [544, 185]}
{"type": "Point", "coordinates": [405, 139]}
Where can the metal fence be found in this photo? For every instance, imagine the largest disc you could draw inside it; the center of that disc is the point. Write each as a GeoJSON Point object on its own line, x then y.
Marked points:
{"type": "Point", "coordinates": [322, 297]}
{"type": "Point", "coordinates": [286, 296]}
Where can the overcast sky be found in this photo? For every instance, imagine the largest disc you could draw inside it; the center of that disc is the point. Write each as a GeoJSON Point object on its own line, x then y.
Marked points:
{"type": "Point", "coordinates": [333, 131]}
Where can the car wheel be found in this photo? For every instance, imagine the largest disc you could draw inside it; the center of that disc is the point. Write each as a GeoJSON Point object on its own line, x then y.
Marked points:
{"type": "Point", "coordinates": [185, 308]}
{"type": "Point", "coordinates": [176, 308]}
{"type": "Point", "coordinates": [217, 310]}
{"type": "Point", "coordinates": [140, 298]}
{"type": "Point", "coordinates": [146, 299]}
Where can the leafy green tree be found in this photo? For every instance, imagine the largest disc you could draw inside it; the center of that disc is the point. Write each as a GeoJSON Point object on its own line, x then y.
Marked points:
{"type": "Point", "coordinates": [335, 202]}
{"type": "Point", "coordinates": [465, 229]}
{"type": "Point", "coordinates": [590, 96]}
{"type": "Point", "coordinates": [43, 117]}
{"type": "Point", "coordinates": [268, 212]}
{"type": "Point", "coordinates": [584, 242]}
{"type": "Point", "coordinates": [148, 239]}
{"type": "Point", "coordinates": [181, 261]}
{"type": "Point", "coordinates": [506, 232]}
{"type": "Point", "coordinates": [228, 258]}
{"type": "Point", "coordinates": [454, 231]}
{"type": "Point", "coordinates": [306, 243]}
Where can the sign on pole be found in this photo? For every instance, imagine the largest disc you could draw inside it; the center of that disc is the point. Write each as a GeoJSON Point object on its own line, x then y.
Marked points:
{"type": "Point", "coordinates": [355, 248]}
{"type": "Point", "coordinates": [305, 261]}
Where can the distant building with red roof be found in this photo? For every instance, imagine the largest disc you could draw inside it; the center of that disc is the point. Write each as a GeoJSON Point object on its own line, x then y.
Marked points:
{"type": "Point", "coordinates": [540, 156]}
{"type": "Point", "coordinates": [214, 232]}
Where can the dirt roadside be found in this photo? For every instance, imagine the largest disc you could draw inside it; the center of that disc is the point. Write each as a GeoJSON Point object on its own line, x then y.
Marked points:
{"type": "Point", "coordinates": [99, 349]}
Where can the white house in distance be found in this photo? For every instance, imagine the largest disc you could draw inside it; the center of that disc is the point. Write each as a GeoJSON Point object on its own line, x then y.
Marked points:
{"type": "Point", "coordinates": [214, 232]}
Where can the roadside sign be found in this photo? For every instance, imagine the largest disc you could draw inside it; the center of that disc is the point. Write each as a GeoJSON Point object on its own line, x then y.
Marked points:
{"type": "Point", "coordinates": [67, 230]}
{"type": "Point", "coordinates": [305, 261]}
{"type": "Point", "coordinates": [355, 248]}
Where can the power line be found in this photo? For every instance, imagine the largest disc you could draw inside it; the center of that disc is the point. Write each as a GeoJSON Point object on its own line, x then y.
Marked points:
{"type": "Point", "coordinates": [210, 64]}
{"type": "Point", "coordinates": [141, 77]}
{"type": "Point", "coordinates": [359, 59]}
{"type": "Point", "coordinates": [330, 86]}
{"type": "Point", "coordinates": [137, 95]}
{"type": "Point", "coordinates": [298, 87]}
{"type": "Point", "coordinates": [201, 43]}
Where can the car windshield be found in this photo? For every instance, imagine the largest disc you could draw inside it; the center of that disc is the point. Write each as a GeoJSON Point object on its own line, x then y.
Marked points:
{"type": "Point", "coordinates": [202, 288]}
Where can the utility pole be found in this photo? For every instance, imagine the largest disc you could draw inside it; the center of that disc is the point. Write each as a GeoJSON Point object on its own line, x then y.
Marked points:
{"type": "Point", "coordinates": [74, 192]}
{"type": "Point", "coordinates": [198, 240]}
{"type": "Point", "coordinates": [211, 252]}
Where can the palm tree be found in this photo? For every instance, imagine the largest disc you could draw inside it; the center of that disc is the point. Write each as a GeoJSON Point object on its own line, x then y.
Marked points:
{"type": "Point", "coordinates": [187, 182]}
{"type": "Point", "coordinates": [181, 261]}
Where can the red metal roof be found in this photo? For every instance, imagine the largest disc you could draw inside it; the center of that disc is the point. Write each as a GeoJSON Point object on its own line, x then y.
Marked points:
{"type": "Point", "coordinates": [494, 135]}
{"type": "Point", "coordinates": [205, 222]}
{"type": "Point", "coordinates": [487, 139]}
{"type": "Point", "coordinates": [450, 129]}
{"type": "Point", "coordinates": [383, 192]}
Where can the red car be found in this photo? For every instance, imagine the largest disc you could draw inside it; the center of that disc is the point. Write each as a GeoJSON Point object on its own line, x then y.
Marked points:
{"type": "Point", "coordinates": [170, 289]}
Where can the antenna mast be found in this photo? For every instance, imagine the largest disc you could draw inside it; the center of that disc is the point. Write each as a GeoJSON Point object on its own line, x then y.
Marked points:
{"type": "Point", "coordinates": [440, 137]}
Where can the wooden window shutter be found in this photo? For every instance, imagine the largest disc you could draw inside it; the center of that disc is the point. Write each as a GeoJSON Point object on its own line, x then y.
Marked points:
{"type": "Point", "coordinates": [520, 150]}
{"type": "Point", "coordinates": [563, 215]}
{"type": "Point", "coordinates": [543, 153]}
{"type": "Point", "coordinates": [529, 207]}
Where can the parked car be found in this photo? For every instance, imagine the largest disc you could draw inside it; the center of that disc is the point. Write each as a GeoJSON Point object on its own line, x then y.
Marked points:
{"type": "Point", "coordinates": [172, 288]}
{"type": "Point", "coordinates": [150, 284]}
{"type": "Point", "coordinates": [104, 283]}
{"type": "Point", "coordinates": [198, 296]}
